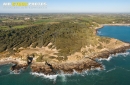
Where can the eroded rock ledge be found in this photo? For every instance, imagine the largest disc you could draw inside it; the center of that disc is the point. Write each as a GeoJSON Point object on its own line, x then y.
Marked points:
{"type": "Point", "coordinates": [86, 63]}
{"type": "Point", "coordinates": [66, 67]}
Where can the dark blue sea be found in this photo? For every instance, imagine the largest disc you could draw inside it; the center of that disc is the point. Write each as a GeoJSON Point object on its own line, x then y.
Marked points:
{"type": "Point", "coordinates": [116, 68]}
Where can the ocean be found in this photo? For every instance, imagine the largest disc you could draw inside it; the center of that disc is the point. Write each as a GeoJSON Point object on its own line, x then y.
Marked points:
{"type": "Point", "coordinates": [116, 68]}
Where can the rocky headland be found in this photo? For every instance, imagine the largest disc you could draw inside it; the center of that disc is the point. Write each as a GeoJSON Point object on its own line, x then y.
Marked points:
{"type": "Point", "coordinates": [80, 61]}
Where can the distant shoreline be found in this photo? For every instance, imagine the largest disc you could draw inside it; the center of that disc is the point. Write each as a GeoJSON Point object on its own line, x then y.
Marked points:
{"type": "Point", "coordinates": [102, 25]}
{"type": "Point", "coordinates": [117, 24]}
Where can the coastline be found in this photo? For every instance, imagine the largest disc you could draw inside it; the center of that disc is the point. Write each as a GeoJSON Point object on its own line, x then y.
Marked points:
{"type": "Point", "coordinates": [80, 66]}
{"type": "Point", "coordinates": [11, 60]}
{"type": "Point", "coordinates": [117, 24]}
{"type": "Point", "coordinates": [7, 62]}
{"type": "Point", "coordinates": [86, 63]}
{"type": "Point", "coordinates": [101, 25]}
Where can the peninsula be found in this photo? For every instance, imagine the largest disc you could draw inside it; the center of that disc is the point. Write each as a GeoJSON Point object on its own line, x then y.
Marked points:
{"type": "Point", "coordinates": [52, 45]}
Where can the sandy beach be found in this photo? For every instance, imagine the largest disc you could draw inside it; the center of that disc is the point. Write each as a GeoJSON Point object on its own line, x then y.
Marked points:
{"type": "Point", "coordinates": [11, 60]}
{"type": "Point", "coordinates": [117, 24]}
{"type": "Point", "coordinates": [101, 25]}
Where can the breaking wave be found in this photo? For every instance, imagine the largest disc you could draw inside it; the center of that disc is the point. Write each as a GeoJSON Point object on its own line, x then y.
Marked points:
{"type": "Point", "coordinates": [15, 72]}
{"type": "Point", "coordinates": [116, 55]}
{"type": "Point", "coordinates": [43, 75]}
{"type": "Point", "coordinates": [63, 76]}
{"type": "Point", "coordinates": [93, 71]}
{"type": "Point", "coordinates": [110, 70]}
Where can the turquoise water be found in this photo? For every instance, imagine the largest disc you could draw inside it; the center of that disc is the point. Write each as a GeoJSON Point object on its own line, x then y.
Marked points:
{"type": "Point", "coordinates": [116, 69]}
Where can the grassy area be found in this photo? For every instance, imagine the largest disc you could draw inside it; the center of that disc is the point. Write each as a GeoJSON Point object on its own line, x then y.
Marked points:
{"type": "Point", "coordinates": [41, 21]}
{"type": "Point", "coordinates": [20, 26]}
{"type": "Point", "coordinates": [4, 27]}
{"type": "Point", "coordinates": [13, 27]}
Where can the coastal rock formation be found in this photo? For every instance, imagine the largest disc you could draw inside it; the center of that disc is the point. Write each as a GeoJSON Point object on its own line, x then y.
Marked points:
{"type": "Point", "coordinates": [66, 67]}
{"type": "Point", "coordinates": [80, 66]}
{"type": "Point", "coordinates": [16, 67]}
{"type": "Point", "coordinates": [106, 54]}
{"type": "Point", "coordinates": [51, 59]}
{"type": "Point", "coordinates": [85, 63]}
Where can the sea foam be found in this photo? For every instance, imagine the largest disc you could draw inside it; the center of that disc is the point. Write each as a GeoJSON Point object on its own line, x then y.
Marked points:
{"type": "Point", "coordinates": [92, 71]}
{"type": "Point", "coordinates": [110, 70]}
{"type": "Point", "coordinates": [14, 72]}
{"type": "Point", "coordinates": [112, 56]}
{"type": "Point", "coordinates": [43, 75]}
{"type": "Point", "coordinates": [63, 76]}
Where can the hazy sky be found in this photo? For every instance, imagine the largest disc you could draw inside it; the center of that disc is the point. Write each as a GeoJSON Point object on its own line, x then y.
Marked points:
{"type": "Point", "coordinates": [63, 6]}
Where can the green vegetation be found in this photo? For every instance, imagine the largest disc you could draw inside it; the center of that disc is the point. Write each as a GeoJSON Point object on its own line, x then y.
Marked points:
{"type": "Point", "coordinates": [69, 37]}
{"type": "Point", "coordinates": [23, 20]}
{"type": "Point", "coordinates": [70, 34]}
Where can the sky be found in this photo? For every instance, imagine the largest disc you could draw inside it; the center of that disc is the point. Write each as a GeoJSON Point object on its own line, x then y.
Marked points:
{"type": "Point", "coordinates": [71, 6]}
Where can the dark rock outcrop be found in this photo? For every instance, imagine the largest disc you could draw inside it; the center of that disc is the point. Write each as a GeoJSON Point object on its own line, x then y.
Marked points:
{"type": "Point", "coordinates": [16, 67]}
{"type": "Point", "coordinates": [65, 67]}
{"type": "Point", "coordinates": [84, 64]}
{"type": "Point", "coordinates": [19, 66]}
{"type": "Point", "coordinates": [78, 66]}
{"type": "Point", "coordinates": [29, 60]}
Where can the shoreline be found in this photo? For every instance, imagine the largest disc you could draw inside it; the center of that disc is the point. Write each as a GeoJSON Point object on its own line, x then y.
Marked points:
{"type": "Point", "coordinates": [68, 68]}
{"type": "Point", "coordinates": [117, 24]}
{"type": "Point", "coordinates": [86, 63]}
{"type": "Point", "coordinates": [11, 60]}
{"type": "Point", "coordinates": [102, 25]}
{"type": "Point", "coordinates": [7, 62]}
{"type": "Point", "coordinates": [79, 66]}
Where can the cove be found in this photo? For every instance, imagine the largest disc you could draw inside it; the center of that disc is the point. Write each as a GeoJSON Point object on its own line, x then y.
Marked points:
{"type": "Point", "coordinates": [118, 32]}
